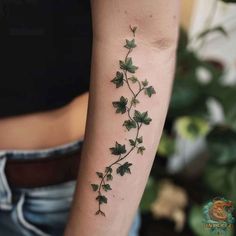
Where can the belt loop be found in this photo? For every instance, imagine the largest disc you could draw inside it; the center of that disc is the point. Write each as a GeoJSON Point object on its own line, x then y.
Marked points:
{"type": "Point", "coordinates": [5, 191]}
{"type": "Point", "coordinates": [20, 217]}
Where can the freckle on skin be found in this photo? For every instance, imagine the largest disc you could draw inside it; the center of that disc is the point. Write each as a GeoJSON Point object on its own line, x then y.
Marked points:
{"type": "Point", "coordinates": [126, 12]}
{"type": "Point", "coordinates": [150, 15]}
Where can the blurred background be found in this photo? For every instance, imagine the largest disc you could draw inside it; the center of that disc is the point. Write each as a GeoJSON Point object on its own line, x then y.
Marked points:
{"type": "Point", "coordinates": [196, 159]}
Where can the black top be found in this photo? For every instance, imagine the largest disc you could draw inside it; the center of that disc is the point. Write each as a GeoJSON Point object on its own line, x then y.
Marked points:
{"type": "Point", "coordinates": [45, 53]}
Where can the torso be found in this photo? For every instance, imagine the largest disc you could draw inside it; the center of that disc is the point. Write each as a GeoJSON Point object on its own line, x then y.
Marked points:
{"type": "Point", "coordinates": [45, 129]}
{"type": "Point", "coordinates": [46, 49]}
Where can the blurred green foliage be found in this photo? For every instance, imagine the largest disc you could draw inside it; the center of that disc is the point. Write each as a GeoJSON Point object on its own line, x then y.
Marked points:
{"type": "Point", "coordinates": [229, 1]}
{"type": "Point", "coordinates": [189, 115]}
{"type": "Point", "coordinates": [191, 127]}
{"type": "Point", "coordinates": [220, 172]}
{"type": "Point", "coordinates": [149, 195]}
{"type": "Point", "coordinates": [188, 106]}
{"type": "Point", "coordinates": [166, 145]}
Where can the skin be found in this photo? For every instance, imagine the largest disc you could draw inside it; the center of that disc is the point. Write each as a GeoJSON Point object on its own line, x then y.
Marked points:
{"type": "Point", "coordinates": [134, 117]}
{"type": "Point", "coordinates": [157, 22]}
{"type": "Point", "coordinates": [156, 37]}
{"type": "Point", "coordinates": [45, 129]}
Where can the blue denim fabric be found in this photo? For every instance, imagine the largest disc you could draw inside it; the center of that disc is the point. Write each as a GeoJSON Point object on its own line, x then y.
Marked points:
{"type": "Point", "coordinates": [41, 211]}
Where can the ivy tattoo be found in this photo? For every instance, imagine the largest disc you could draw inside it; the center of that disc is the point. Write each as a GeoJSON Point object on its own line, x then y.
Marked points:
{"type": "Point", "coordinates": [135, 120]}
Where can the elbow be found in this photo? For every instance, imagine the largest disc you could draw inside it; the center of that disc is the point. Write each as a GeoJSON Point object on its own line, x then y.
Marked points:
{"type": "Point", "coordinates": [160, 34]}
{"type": "Point", "coordinates": [159, 37]}
{"type": "Point", "coordinates": [164, 43]}
{"type": "Point", "coordinates": [160, 41]}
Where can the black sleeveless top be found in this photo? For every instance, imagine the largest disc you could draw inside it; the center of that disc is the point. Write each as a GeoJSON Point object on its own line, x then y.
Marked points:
{"type": "Point", "coordinates": [45, 54]}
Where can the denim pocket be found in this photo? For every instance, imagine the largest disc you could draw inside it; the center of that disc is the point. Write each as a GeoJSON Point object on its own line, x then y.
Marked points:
{"type": "Point", "coordinates": [48, 207]}
{"type": "Point", "coordinates": [20, 224]}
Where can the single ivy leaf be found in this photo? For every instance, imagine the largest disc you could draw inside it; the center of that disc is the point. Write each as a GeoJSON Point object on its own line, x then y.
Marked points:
{"type": "Point", "coordinates": [99, 174]}
{"type": "Point", "coordinates": [133, 79]}
{"type": "Point", "coordinates": [132, 142]}
{"type": "Point", "coordinates": [101, 199]}
{"type": "Point", "coordinates": [109, 177]}
{"type": "Point", "coordinates": [129, 124]}
{"type": "Point", "coordinates": [142, 117]}
{"type": "Point", "coordinates": [124, 169]}
{"type": "Point", "coordinates": [108, 169]}
{"type": "Point", "coordinates": [149, 91]}
{"type": "Point", "coordinates": [141, 149]}
{"type": "Point", "coordinates": [118, 80]}
{"type": "Point", "coordinates": [94, 187]}
{"type": "Point", "coordinates": [134, 101]}
{"type": "Point", "coordinates": [145, 83]}
{"type": "Point", "coordinates": [106, 187]}
{"type": "Point", "coordinates": [118, 149]}
{"type": "Point", "coordinates": [128, 65]}
{"type": "Point", "coordinates": [130, 44]}
{"type": "Point", "coordinates": [120, 105]}
{"type": "Point", "coordinates": [140, 139]}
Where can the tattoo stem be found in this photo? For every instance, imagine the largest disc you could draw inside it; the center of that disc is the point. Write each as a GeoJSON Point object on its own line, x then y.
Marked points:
{"type": "Point", "coordinates": [134, 122]}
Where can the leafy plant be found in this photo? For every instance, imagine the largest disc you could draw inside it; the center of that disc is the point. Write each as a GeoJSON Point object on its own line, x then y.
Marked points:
{"type": "Point", "coordinates": [135, 120]}
{"type": "Point", "coordinates": [229, 1]}
{"type": "Point", "coordinates": [220, 172]}
{"type": "Point", "coordinates": [189, 115]}
{"type": "Point", "coordinates": [190, 127]}
{"type": "Point", "coordinates": [149, 195]}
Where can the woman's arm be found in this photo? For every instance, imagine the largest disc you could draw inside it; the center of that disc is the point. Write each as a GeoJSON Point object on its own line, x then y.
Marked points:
{"type": "Point", "coordinates": [105, 202]}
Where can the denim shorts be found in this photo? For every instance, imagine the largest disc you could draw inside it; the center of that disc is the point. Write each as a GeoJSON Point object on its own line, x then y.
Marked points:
{"type": "Point", "coordinates": [41, 211]}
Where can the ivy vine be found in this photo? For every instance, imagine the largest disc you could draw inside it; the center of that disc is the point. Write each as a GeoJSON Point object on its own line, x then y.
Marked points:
{"type": "Point", "coordinates": [135, 120]}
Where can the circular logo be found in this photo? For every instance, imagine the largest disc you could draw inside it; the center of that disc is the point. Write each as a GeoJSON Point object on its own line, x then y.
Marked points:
{"type": "Point", "coordinates": [218, 215]}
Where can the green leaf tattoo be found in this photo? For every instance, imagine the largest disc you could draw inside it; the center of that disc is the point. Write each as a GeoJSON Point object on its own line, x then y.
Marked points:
{"type": "Point", "coordinates": [133, 79]}
{"type": "Point", "coordinates": [118, 80]}
{"type": "Point", "coordinates": [118, 149]}
{"type": "Point", "coordinates": [134, 121]}
{"type": "Point", "coordinates": [120, 105]}
{"type": "Point", "coordinates": [130, 44]}
{"type": "Point", "coordinates": [124, 169]}
{"type": "Point", "coordinates": [101, 199]}
{"type": "Point", "coordinates": [106, 187]}
{"type": "Point", "coordinates": [129, 124]}
{"type": "Point", "coordinates": [149, 91]}
{"type": "Point", "coordinates": [142, 117]}
{"type": "Point", "coordinates": [95, 187]}
{"type": "Point", "coordinates": [127, 65]}
{"type": "Point", "coordinates": [140, 150]}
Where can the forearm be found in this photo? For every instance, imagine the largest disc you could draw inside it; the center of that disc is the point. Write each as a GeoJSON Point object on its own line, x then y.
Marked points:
{"type": "Point", "coordinates": [154, 56]}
